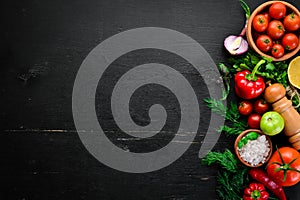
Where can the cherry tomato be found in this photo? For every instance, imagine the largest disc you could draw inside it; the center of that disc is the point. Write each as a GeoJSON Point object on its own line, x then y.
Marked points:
{"type": "Point", "coordinates": [254, 120]}
{"type": "Point", "coordinates": [290, 41]}
{"type": "Point", "coordinates": [264, 43]}
{"type": "Point", "coordinates": [277, 10]}
{"type": "Point", "coordinates": [275, 29]}
{"type": "Point", "coordinates": [245, 108]}
{"type": "Point", "coordinates": [260, 23]}
{"type": "Point", "coordinates": [285, 160]}
{"type": "Point", "coordinates": [277, 51]}
{"type": "Point", "coordinates": [291, 22]}
{"type": "Point", "coordinates": [260, 106]}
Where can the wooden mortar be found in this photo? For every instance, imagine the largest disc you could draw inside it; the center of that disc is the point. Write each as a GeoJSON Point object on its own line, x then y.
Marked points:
{"type": "Point", "coordinates": [275, 94]}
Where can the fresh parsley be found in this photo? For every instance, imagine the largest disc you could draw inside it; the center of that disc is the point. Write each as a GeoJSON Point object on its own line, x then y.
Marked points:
{"type": "Point", "coordinates": [270, 70]}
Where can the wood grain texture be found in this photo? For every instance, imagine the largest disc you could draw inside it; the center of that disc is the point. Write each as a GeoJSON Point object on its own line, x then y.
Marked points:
{"type": "Point", "coordinates": [43, 44]}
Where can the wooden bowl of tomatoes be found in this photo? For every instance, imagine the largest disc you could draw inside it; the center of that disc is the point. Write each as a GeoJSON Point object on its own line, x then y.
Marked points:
{"type": "Point", "coordinates": [273, 30]}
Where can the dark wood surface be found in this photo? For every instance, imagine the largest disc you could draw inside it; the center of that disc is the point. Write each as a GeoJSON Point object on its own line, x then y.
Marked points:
{"type": "Point", "coordinates": [43, 44]}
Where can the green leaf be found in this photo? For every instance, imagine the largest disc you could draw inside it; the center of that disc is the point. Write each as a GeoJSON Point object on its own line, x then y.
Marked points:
{"type": "Point", "coordinates": [254, 59]}
{"type": "Point", "coordinates": [223, 68]}
{"type": "Point", "coordinates": [270, 66]}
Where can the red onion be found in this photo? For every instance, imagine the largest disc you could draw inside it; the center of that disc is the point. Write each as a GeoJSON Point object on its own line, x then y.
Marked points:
{"type": "Point", "coordinates": [237, 45]}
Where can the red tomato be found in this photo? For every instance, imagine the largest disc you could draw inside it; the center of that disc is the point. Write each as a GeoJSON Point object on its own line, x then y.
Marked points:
{"type": "Point", "coordinates": [275, 29]}
{"type": "Point", "coordinates": [264, 43]}
{"type": "Point", "coordinates": [254, 120]}
{"type": "Point", "coordinates": [260, 23]}
{"type": "Point", "coordinates": [277, 51]}
{"type": "Point", "coordinates": [288, 163]}
{"type": "Point", "coordinates": [260, 106]}
{"type": "Point", "coordinates": [291, 22]}
{"type": "Point", "coordinates": [277, 10]}
{"type": "Point", "coordinates": [245, 107]}
{"type": "Point", "coordinates": [290, 41]}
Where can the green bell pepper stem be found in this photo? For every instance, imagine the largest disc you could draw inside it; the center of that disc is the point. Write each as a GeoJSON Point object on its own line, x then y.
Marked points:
{"type": "Point", "coordinates": [252, 77]}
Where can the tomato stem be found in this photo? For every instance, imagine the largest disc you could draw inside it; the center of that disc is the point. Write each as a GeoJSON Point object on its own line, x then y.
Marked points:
{"type": "Point", "coordinates": [267, 41]}
{"type": "Point", "coordinates": [285, 166]}
{"type": "Point", "coordinates": [292, 15]}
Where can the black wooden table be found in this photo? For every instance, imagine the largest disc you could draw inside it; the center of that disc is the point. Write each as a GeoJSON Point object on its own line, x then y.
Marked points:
{"type": "Point", "coordinates": [43, 44]}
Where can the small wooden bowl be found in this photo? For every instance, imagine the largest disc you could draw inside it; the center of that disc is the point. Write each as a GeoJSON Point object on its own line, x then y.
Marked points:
{"type": "Point", "coordinates": [241, 136]}
{"type": "Point", "coordinates": [262, 7]}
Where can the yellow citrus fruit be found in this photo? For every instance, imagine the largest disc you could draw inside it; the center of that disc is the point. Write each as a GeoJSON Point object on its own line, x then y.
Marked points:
{"type": "Point", "coordinates": [294, 72]}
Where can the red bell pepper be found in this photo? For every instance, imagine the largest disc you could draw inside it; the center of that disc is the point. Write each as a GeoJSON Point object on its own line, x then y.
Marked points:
{"type": "Point", "coordinates": [248, 85]}
{"type": "Point", "coordinates": [255, 191]}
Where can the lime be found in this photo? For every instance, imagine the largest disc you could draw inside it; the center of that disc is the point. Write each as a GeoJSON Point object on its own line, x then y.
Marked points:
{"type": "Point", "coordinates": [271, 123]}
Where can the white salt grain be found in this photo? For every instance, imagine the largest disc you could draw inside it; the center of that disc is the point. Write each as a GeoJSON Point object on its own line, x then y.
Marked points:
{"type": "Point", "coordinates": [255, 151]}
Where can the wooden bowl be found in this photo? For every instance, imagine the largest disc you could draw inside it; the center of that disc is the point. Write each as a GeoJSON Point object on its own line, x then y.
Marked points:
{"type": "Point", "coordinates": [240, 136]}
{"type": "Point", "coordinates": [259, 9]}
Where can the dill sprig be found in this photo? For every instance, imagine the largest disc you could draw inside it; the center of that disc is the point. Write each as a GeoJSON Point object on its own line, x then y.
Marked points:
{"type": "Point", "coordinates": [230, 113]}
{"type": "Point", "coordinates": [226, 160]}
{"type": "Point", "coordinates": [232, 177]}
{"type": "Point", "coordinates": [230, 186]}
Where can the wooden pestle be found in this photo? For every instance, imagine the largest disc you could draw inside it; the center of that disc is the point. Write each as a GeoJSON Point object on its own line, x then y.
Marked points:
{"type": "Point", "coordinates": [275, 94]}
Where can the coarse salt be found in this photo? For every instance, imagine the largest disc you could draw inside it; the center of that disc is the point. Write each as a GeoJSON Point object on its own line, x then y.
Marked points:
{"type": "Point", "coordinates": [255, 151]}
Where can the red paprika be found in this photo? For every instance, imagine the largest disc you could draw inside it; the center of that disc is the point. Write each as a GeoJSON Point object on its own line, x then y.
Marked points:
{"type": "Point", "coordinates": [248, 85]}
{"type": "Point", "coordinates": [255, 191]}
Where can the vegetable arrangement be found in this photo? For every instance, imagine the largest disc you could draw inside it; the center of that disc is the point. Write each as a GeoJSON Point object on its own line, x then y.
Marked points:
{"type": "Point", "coordinates": [252, 75]}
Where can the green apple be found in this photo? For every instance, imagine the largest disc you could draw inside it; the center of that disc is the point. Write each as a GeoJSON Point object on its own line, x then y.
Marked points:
{"type": "Point", "coordinates": [271, 123]}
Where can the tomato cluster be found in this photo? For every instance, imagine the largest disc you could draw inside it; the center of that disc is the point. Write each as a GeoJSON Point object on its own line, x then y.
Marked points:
{"type": "Point", "coordinates": [275, 30]}
{"type": "Point", "coordinates": [253, 111]}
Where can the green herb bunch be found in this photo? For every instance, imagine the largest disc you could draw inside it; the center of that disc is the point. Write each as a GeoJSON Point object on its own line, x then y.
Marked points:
{"type": "Point", "coordinates": [231, 114]}
{"type": "Point", "coordinates": [232, 177]}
